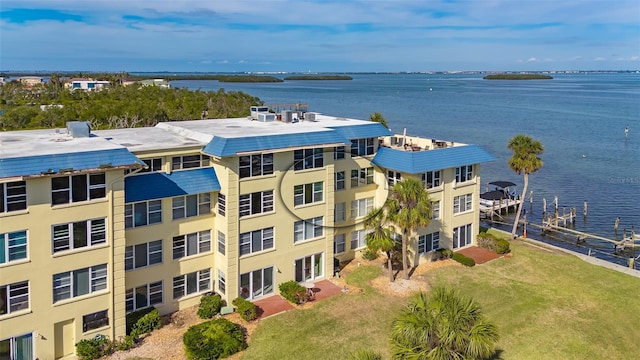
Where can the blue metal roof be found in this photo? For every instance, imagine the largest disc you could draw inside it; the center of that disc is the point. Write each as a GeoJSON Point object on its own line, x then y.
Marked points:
{"type": "Point", "coordinates": [415, 162]}
{"type": "Point", "coordinates": [373, 129]}
{"type": "Point", "coordinates": [159, 185]}
{"type": "Point", "coordinates": [52, 163]}
{"type": "Point", "coordinates": [221, 146]}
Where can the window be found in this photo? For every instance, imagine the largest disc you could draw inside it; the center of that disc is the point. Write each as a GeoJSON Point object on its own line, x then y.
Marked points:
{"type": "Point", "coordinates": [254, 241]}
{"type": "Point", "coordinates": [14, 297]}
{"type": "Point", "coordinates": [74, 283]}
{"type": "Point", "coordinates": [191, 283]}
{"type": "Point", "coordinates": [222, 204]}
{"type": "Point", "coordinates": [435, 210]}
{"type": "Point", "coordinates": [462, 203]}
{"type": "Point", "coordinates": [308, 229]}
{"type": "Point", "coordinates": [222, 282]}
{"type": "Point", "coordinates": [255, 165]}
{"type": "Point", "coordinates": [308, 159]}
{"type": "Point", "coordinates": [191, 205]}
{"type": "Point", "coordinates": [309, 267]}
{"type": "Point", "coordinates": [79, 234]}
{"type": "Point", "coordinates": [393, 177]}
{"type": "Point", "coordinates": [429, 242]}
{"type": "Point", "coordinates": [141, 255]}
{"type": "Point", "coordinates": [154, 164]}
{"type": "Point", "coordinates": [191, 244]}
{"type": "Point", "coordinates": [222, 245]}
{"type": "Point", "coordinates": [358, 239]}
{"type": "Point", "coordinates": [362, 147]}
{"type": "Point", "coordinates": [431, 179]}
{"type": "Point", "coordinates": [307, 193]}
{"type": "Point", "coordinates": [143, 296]}
{"type": "Point", "coordinates": [13, 246]}
{"type": "Point", "coordinates": [94, 321]}
{"type": "Point", "coordinates": [339, 244]}
{"type": "Point", "coordinates": [257, 283]}
{"type": "Point", "coordinates": [17, 348]}
{"type": "Point", "coordinates": [13, 196]}
{"type": "Point", "coordinates": [70, 189]}
{"type": "Point", "coordinates": [464, 173]}
{"type": "Point", "coordinates": [462, 236]}
{"type": "Point", "coordinates": [339, 213]}
{"type": "Point", "coordinates": [362, 207]}
{"type": "Point", "coordinates": [338, 152]}
{"type": "Point", "coordinates": [256, 203]}
{"type": "Point", "coordinates": [340, 180]}
{"type": "Point", "coordinates": [189, 162]}
{"type": "Point", "coordinates": [142, 213]}
{"type": "Point", "coordinates": [361, 177]}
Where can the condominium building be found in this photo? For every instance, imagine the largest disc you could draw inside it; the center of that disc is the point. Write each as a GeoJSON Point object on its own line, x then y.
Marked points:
{"type": "Point", "coordinates": [94, 225]}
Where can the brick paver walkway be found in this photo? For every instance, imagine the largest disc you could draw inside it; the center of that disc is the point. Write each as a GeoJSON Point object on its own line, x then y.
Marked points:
{"type": "Point", "coordinates": [276, 304]}
{"type": "Point", "coordinates": [478, 254]}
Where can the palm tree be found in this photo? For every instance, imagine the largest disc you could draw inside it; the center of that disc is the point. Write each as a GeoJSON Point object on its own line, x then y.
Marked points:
{"type": "Point", "coordinates": [408, 207]}
{"type": "Point", "coordinates": [377, 117]}
{"type": "Point", "coordinates": [524, 160]}
{"type": "Point", "coordinates": [379, 239]}
{"type": "Point", "coordinates": [442, 325]}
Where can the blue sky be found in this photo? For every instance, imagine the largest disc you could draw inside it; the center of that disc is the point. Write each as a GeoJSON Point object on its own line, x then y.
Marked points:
{"type": "Point", "coordinates": [319, 35]}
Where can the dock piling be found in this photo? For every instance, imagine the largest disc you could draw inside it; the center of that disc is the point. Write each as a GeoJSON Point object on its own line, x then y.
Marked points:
{"type": "Point", "coordinates": [584, 208]}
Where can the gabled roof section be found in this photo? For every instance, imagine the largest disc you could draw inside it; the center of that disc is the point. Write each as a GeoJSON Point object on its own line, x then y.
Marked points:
{"type": "Point", "coordinates": [415, 162]}
{"type": "Point", "coordinates": [223, 146]}
{"type": "Point", "coordinates": [361, 131]}
{"type": "Point", "coordinates": [159, 185]}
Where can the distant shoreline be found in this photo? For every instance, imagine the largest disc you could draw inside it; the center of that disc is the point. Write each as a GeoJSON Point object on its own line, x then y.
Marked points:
{"type": "Point", "coordinates": [518, 77]}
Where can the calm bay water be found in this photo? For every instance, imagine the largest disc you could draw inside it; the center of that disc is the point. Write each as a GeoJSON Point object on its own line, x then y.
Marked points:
{"type": "Point", "coordinates": [579, 118]}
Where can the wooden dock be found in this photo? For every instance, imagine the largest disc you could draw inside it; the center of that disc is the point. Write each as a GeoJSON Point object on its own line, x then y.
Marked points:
{"type": "Point", "coordinates": [495, 208]}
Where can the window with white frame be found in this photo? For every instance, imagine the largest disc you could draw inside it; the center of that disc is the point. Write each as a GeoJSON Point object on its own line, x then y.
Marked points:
{"type": "Point", "coordinates": [339, 243]}
{"type": "Point", "coordinates": [340, 180]}
{"type": "Point", "coordinates": [435, 210]}
{"type": "Point", "coordinates": [462, 203]}
{"type": "Point", "coordinates": [362, 147]}
{"type": "Point", "coordinates": [141, 255]}
{"type": "Point", "coordinates": [338, 152]}
{"type": "Point", "coordinates": [222, 204]}
{"type": "Point", "coordinates": [309, 267]}
{"type": "Point", "coordinates": [254, 241]}
{"type": "Point", "coordinates": [257, 283]}
{"type": "Point", "coordinates": [308, 159]}
{"type": "Point", "coordinates": [464, 173]}
{"type": "Point", "coordinates": [308, 193]}
{"type": "Point", "coordinates": [255, 165]}
{"type": "Point", "coordinates": [143, 296]}
{"type": "Point", "coordinates": [339, 213]}
{"type": "Point", "coordinates": [393, 177]}
{"type": "Point", "coordinates": [429, 242]}
{"type": "Point", "coordinates": [191, 244]}
{"type": "Point", "coordinates": [17, 347]}
{"type": "Point", "coordinates": [361, 177]}
{"type": "Point", "coordinates": [191, 283]}
{"type": "Point", "coordinates": [142, 213]}
{"type": "Point", "coordinates": [189, 162]}
{"type": "Point", "coordinates": [361, 207]}
{"type": "Point", "coordinates": [79, 234]}
{"type": "Point", "coordinates": [95, 320]}
{"type": "Point", "coordinates": [431, 179]}
{"type": "Point", "coordinates": [79, 282]}
{"type": "Point", "coordinates": [191, 205]}
{"type": "Point", "coordinates": [462, 236]}
{"type": "Point", "coordinates": [358, 239]}
{"type": "Point", "coordinates": [153, 165]}
{"type": "Point", "coordinates": [308, 229]}
{"type": "Point", "coordinates": [222, 282]}
{"type": "Point", "coordinates": [76, 188]}
{"type": "Point", "coordinates": [14, 297]}
{"type": "Point", "coordinates": [13, 246]}
{"type": "Point", "coordinates": [222, 243]}
{"type": "Point", "coordinates": [256, 203]}
{"type": "Point", "coordinates": [13, 196]}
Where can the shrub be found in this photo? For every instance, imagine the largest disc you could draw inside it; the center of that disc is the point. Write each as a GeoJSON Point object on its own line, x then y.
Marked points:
{"type": "Point", "coordinates": [132, 318]}
{"type": "Point", "coordinates": [365, 355]}
{"type": "Point", "coordinates": [146, 324]}
{"type": "Point", "coordinates": [126, 343]}
{"type": "Point", "coordinates": [210, 306]}
{"type": "Point", "coordinates": [292, 291]}
{"type": "Point", "coordinates": [214, 339]}
{"type": "Point", "coordinates": [502, 246]}
{"type": "Point", "coordinates": [89, 349]}
{"type": "Point", "coordinates": [493, 243]}
{"type": "Point", "coordinates": [466, 261]}
{"type": "Point", "coordinates": [369, 254]}
{"type": "Point", "coordinates": [245, 308]}
{"type": "Point", "coordinates": [445, 253]}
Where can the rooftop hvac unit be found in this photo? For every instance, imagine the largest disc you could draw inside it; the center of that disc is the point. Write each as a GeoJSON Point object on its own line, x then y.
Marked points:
{"type": "Point", "coordinates": [287, 116]}
{"type": "Point", "coordinates": [310, 116]}
{"type": "Point", "coordinates": [255, 110]}
{"type": "Point", "coordinates": [266, 117]}
{"type": "Point", "coordinates": [78, 129]}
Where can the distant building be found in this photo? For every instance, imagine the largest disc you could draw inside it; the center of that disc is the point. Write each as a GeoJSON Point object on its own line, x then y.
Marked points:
{"type": "Point", "coordinates": [156, 82]}
{"type": "Point", "coordinates": [86, 84]}
{"type": "Point", "coordinates": [31, 81]}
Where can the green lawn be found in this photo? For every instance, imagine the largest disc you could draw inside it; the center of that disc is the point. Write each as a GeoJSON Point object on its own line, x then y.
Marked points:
{"type": "Point", "coordinates": [547, 305]}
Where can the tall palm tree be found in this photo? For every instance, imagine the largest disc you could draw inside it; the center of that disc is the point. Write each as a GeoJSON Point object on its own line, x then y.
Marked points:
{"type": "Point", "coordinates": [379, 118]}
{"type": "Point", "coordinates": [379, 238]}
{"type": "Point", "coordinates": [408, 207]}
{"type": "Point", "coordinates": [442, 325]}
{"type": "Point", "coordinates": [524, 160]}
